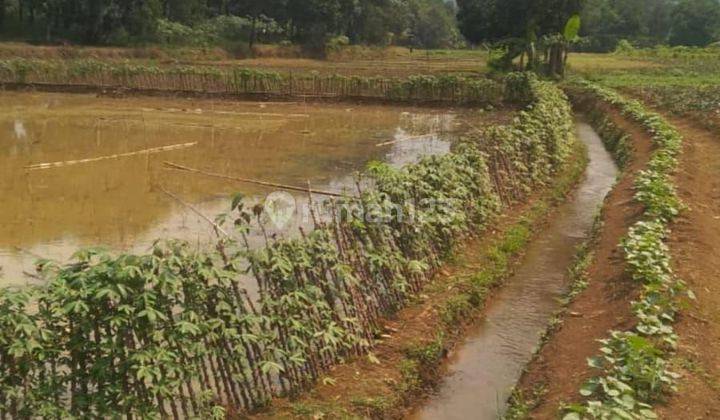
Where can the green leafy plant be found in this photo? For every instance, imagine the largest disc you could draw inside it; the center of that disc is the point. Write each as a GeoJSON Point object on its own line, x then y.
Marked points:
{"type": "Point", "coordinates": [208, 79]}
{"type": "Point", "coordinates": [634, 371]}
{"type": "Point", "coordinates": [174, 332]}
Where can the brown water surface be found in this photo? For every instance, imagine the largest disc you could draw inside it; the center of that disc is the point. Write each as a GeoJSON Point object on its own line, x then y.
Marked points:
{"type": "Point", "coordinates": [117, 202]}
{"type": "Point", "coordinates": [484, 369]}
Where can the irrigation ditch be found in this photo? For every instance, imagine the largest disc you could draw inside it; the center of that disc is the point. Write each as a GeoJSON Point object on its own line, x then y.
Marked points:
{"type": "Point", "coordinates": [364, 308]}
{"type": "Point", "coordinates": [488, 363]}
{"type": "Point", "coordinates": [623, 337]}
{"type": "Point", "coordinates": [172, 334]}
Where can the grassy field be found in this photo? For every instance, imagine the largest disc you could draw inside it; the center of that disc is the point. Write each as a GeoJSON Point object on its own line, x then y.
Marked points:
{"type": "Point", "coordinates": [352, 60]}
{"type": "Point", "coordinates": [684, 82]}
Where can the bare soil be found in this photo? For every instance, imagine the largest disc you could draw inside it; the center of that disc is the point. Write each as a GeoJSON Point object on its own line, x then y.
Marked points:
{"type": "Point", "coordinates": [695, 247]}
{"type": "Point", "coordinates": [561, 368]}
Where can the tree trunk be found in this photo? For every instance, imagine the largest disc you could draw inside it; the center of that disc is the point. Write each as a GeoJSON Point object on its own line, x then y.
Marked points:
{"type": "Point", "coordinates": [253, 32]}
{"type": "Point", "coordinates": [532, 56]}
{"type": "Point", "coordinates": [556, 63]}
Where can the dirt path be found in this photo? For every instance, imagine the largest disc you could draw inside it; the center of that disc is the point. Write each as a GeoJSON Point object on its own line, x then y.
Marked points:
{"type": "Point", "coordinates": [561, 366]}
{"type": "Point", "coordinates": [695, 247]}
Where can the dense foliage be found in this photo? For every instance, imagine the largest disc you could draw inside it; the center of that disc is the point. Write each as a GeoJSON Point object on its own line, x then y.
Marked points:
{"type": "Point", "coordinates": [495, 20]}
{"type": "Point", "coordinates": [538, 30]}
{"type": "Point", "coordinates": [646, 23]}
{"type": "Point", "coordinates": [422, 23]}
{"type": "Point", "coordinates": [634, 370]}
{"type": "Point", "coordinates": [217, 80]}
{"type": "Point", "coordinates": [174, 333]}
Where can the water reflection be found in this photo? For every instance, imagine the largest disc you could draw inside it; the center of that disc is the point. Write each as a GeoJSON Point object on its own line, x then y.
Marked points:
{"type": "Point", "coordinates": [19, 128]}
{"type": "Point", "coordinates": [117, 202]}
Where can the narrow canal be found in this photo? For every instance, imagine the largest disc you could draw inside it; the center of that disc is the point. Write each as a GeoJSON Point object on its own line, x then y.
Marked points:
{"type": "Point", "coordinates": [484, 369]}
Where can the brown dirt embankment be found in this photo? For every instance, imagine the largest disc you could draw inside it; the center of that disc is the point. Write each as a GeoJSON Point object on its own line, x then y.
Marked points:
{"type": "Point", "coordinates": [560, 368]}
{"type": "Point", "coordinates": [695, 247]}
{"type": "Point", "coordinates": [409, 359]}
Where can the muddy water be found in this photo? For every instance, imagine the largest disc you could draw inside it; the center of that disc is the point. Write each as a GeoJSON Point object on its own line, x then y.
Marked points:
{"type": "Point", "coordinates": [116, 200]}
{"type": "Point", "coordinates": [486, 367]}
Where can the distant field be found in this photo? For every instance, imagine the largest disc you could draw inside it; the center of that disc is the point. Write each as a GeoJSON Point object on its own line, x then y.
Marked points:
{"type": "Point", "coordinates": [682, 81]}
{"type": "Point", "coordinates": [353, 60]}
{"type": "Point", "coordinates": [590, 62]}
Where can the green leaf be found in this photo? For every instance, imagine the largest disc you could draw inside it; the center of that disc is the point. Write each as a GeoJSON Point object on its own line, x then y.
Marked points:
{"type": "Point", "coordinates": [648, 414]}
{"type": "Point", "coordinates": [588, 389]}
{"type": "Point", "coordinates": [595, 362]}
{"type": "Point", "coordinates": [237, 199]}
{"type": "Point", "coordinates": [572, 28]}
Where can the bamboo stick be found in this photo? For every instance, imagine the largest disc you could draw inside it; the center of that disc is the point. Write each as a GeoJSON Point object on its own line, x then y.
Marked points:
{"type": "Point", "coordinates": [175, 166]}
{"type": "Point", "coordinates": [218, 228]}
{"type": "Point", "coordinates": [49, 165]}
{"type": "Point", "coordinates": [387, 143]}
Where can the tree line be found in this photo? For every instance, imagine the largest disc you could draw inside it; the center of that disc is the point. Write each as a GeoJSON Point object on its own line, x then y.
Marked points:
{"type": "Point", "coordinates": [315, 23]}
{"type": "Point", "coordinates": [646, 23]}
{"type": "Point", "coordinates": [421, 23]}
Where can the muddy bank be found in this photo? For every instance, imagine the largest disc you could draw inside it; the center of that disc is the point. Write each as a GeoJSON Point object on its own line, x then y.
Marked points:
{"type": "Point", "coordinates": [486, 366]}
{"type": "Point", "coordinates": [696, 251]}
{"type": "Point", "coordinates": [560, 368]}
{"type": "Point", "coordinates": [407, 362]}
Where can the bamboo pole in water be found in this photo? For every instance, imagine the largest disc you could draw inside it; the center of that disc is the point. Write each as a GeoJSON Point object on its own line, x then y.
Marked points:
{"type": "Point", "coordinates": [387, 143]}
{"type": "Point", "coordinates": [177, 167]}
{"type": "Point", "coordinates": [117, 156]}
{"type": "Point", "coordinates": [218, 228]}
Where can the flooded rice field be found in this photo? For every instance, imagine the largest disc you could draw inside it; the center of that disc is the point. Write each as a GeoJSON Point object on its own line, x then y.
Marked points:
{"type": "Point", "coordinates": [79, 171]}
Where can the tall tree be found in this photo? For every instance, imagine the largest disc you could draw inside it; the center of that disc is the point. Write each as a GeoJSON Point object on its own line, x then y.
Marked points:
{"type": "Point", "coordinates": [313, 20]}
{"type": "Point", "coordinates": [522, 25]}
{"type": "Point", "coordinates": [696, 22]}
{"type": "Point", "coordinates": [186, 12]}
{"type": "Point", "coordinates": [646, 22]}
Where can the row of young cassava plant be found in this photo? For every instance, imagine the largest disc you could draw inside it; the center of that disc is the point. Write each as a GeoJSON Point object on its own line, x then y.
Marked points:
{"type": "Point", "coordinates": [633, 365]}
{"type": "Point", "coordinates": [232, 80]}
{"type": "Point", "coordinates": [175, 334]}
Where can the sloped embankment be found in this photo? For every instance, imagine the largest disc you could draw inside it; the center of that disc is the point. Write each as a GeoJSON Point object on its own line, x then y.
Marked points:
{"type": "Point", "coordinates": [408, 358]}
{"type": "Point", "coordinates": [173, 334]}
{"type": "Point", "coordinates": [615, 349]}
